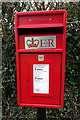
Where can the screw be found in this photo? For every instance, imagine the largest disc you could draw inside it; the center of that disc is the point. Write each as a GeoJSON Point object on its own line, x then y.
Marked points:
{"type": "Point", "coordinates": [50, 19]}
{"type": "Point", "coordinates": [29, 19]}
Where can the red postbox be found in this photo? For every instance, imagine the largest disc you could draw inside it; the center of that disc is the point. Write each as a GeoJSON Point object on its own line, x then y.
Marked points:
{"type": "Point", "coordinates": [40, 58]}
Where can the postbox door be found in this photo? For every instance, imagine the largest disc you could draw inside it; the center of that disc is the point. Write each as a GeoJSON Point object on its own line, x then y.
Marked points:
{"type": "Point", "coordinates": [40, 78]}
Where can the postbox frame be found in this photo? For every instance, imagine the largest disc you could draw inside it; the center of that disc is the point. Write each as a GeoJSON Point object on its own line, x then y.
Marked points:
{"type": "Point", "coordinates": [63, 51]}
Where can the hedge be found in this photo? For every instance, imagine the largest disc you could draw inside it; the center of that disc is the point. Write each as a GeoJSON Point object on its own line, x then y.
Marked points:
{"type": "Point", "coordinates": [11, 111]}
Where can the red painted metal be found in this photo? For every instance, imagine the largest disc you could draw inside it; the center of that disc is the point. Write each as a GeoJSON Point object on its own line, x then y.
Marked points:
{"type": "Point", "coordinates": [40, 23]}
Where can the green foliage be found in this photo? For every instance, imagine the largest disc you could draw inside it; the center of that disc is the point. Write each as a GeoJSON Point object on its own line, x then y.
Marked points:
{"type": "Point", "coordinates": [11, 111]}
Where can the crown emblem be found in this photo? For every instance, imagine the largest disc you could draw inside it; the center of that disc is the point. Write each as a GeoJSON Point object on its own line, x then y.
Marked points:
{"type": "Point", "coordinates": [32, 43]}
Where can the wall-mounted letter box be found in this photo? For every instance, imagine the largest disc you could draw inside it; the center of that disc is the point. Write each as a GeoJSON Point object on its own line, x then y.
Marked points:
{"type": "Point", "coordinates": [40, 58]}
